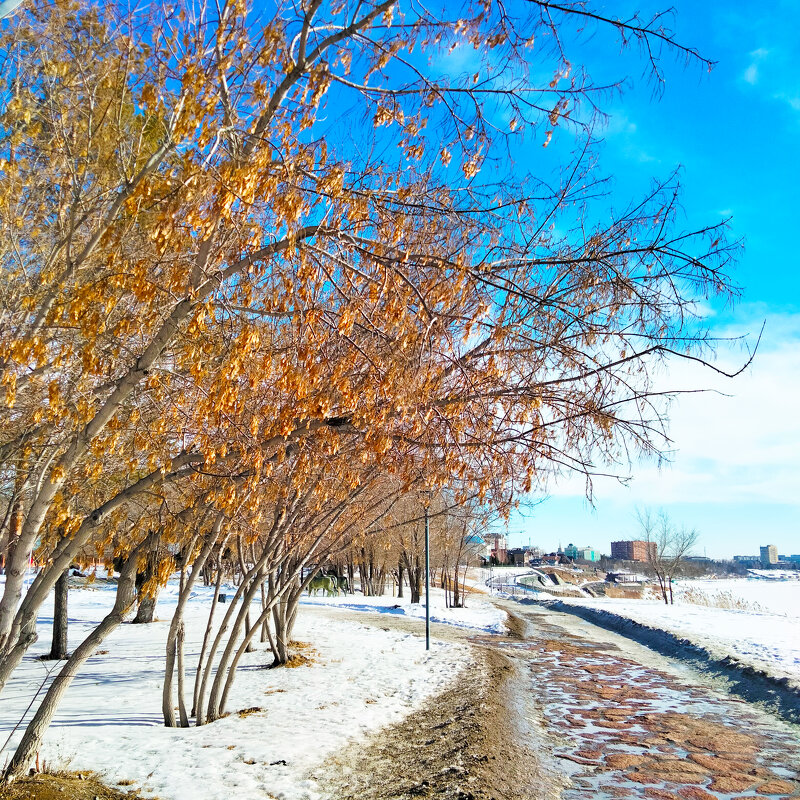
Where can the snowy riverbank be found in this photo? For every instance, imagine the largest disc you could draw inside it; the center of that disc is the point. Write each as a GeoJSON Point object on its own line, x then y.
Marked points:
{"type": "Point", "coordinates": [360, 677]}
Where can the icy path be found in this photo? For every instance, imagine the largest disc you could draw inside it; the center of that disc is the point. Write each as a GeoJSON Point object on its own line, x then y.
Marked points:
{"type": "Point", "coordinates": [764, 640]}
{"type": "Point", "coordinates": [624, 728]}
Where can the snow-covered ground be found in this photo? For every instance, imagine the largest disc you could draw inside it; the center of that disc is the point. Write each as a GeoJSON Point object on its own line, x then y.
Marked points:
{"type": "Point", "coordinates": [762, 630]}
{"type": "Point", "coordinates": [774, 596]}
{"type": "Point", "coordinates": [362, 677]}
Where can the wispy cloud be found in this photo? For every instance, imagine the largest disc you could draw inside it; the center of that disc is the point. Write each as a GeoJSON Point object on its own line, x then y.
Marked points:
{"type": "Point", "coordinates": [773, 67]}
{"type": "Point", "coordinates": [752, 73]}
{"type": "Point", "coordinates": [623, 132]}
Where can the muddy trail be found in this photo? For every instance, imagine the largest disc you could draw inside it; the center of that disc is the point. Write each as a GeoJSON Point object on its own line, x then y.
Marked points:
{"type": "Point", "coordinates": [623, 723]}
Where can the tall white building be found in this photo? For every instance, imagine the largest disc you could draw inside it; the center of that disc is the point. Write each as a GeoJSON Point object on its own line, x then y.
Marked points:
{"type": "Point", "coordinates": [769, 555]}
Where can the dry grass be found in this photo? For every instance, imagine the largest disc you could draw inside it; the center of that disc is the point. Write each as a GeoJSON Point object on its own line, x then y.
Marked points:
{"type": "Point", "coordinates": [299, 660]}
{"type": "Point", "coordinates": [697, 597]}
{"type": "Point", "coordinates": [246, 712]}
{"type": "Point", "coordinates": [64, 786]}
{"type": "Point", "coordinates": [303, 655]}
{"type": "Point", "coordinates": [624, 592]}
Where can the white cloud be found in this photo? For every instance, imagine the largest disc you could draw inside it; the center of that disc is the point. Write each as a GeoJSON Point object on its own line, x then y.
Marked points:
{"type": "Point", "coordinates": [737, 442]}
{"type": "Point", "coordinates": [618, 123]}
{"type": "Point", "coordinates": [620, 129]}
{"type": "Point", "coordinates": [751, 74]}
{"type": "Point", "coordinates": [774, 68]}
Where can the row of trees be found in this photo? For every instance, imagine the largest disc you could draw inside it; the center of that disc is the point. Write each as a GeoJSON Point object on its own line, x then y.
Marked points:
{"type": "Point", "coordinates": [258, 287]}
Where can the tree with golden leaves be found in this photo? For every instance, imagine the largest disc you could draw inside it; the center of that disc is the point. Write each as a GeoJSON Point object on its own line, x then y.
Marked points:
{"type": "Point", "coordinates": [223, 233]}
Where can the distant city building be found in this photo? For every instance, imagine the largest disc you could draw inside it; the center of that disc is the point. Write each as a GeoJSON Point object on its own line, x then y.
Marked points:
{"type": "Point", "coordinates": [636, 550]}
{"type": "Point", "coordinates": [746, 559]}
{"type": "Point", "coordinates": [519, 556]}
{"type": "Point", "coordinates": [498, 548]}
{"type": "Point", "coordinates": [581, 553]}
{"type": "Point", "coordinates": [553, 559]}
{"type": "Point", "coordinates": [570, 551]}
{"type": "Point", "coordinates": [769, 555]}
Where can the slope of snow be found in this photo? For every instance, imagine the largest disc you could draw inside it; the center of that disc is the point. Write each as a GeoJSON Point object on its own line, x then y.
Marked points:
{"type": "Point", "coordinates": [765, 640]}
{"type": "Point", "coordinates": [362, 677]}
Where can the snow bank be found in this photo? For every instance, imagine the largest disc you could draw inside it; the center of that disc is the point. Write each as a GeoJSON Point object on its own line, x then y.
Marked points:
{"type": "Point", "coordinates": [763, 640]}
{"type": "Point", "coordinates": [361, 678]}
{"type": "Point", "coordinates": [479, 613]}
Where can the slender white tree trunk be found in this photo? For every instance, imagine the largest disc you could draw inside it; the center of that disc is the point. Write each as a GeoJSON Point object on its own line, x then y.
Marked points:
{"type": "Point", "coordinates": [32, 738]}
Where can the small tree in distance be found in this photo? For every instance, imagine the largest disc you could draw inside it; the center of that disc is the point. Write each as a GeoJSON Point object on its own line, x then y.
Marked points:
{"type": "Point", "coordinates": [672, 545]}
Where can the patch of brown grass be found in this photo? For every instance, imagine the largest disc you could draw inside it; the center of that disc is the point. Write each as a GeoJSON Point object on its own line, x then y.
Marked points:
{"type": "Point", "coordinates": [246, 712]}
{"type": "Point", "coordinates": [64, 786]}
{"type": "Point", "coordinates": [299, 660]}
{"type": "Point", "coordinates": [303, 655]}
{"type": "Point", "coordinates": [777, 787]}
{"type": "Point", "coordinates": [625, 593]}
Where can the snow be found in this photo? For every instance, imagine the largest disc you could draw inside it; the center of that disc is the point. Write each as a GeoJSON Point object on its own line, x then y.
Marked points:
{"type": "Point", "coordinates": [773, 596]}
{"type": "Point", "coordinates": [479, 613]}
{"type": "Point", "coordinates": [362, 677]}
{"type": "Point", "coordinates": [763, 632]}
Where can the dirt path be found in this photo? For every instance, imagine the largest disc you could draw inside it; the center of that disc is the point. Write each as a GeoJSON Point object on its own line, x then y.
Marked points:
{"type": "Point", "coordinates": [466, 743]}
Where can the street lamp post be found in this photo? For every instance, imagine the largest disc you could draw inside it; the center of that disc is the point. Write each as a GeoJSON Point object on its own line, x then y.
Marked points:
{"type": "Point", "coordinates": [427, 582]}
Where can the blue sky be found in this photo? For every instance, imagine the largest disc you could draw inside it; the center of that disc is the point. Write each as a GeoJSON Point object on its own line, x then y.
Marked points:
{"type": "Point", "coordinates": [734, 133]}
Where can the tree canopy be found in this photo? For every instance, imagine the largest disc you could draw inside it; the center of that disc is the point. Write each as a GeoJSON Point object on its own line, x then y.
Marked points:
{"type": "Point", "coordinates": [253, 252]}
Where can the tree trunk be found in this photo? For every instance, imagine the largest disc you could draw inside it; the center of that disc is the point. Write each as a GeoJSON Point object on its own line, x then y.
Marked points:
{"type": "Point", "coordinates": [16, 563]}
{"type": "Point", "coordinates": [145, 614]}
{"type": "Point", "coordinates": [58, 649]}
{"type": "Point", "coordinates": [174, 648]}
{"type": "Point", "coordinates": [250, 647]}
{"type": "Point", "coordinates": [146, 611]}
{"type": "Point", "coordinates": [200, 712]}
{"type": "Point", "coordinates": [248, 587]}
{"type": "Point", "coordinates": [206, 636]}
{"type": "Point", "coordinates": [32, 738]}
{"type": "Point", "coordinates": [199, 676]}
{"type": "Point", "coordinates": [184, 717]}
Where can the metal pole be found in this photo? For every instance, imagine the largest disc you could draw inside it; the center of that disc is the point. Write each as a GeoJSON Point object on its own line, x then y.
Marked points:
{"type": "Point", "coordinates": [427, 583]}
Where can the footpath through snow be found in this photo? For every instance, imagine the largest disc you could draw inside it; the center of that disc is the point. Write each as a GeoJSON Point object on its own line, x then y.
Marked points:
{"type": "Point", "coordinates": [762, 632]}
{"type": "Point", "coordinates": [626, 723]}
{"type": "Point", "coordinates": [359, 678]}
